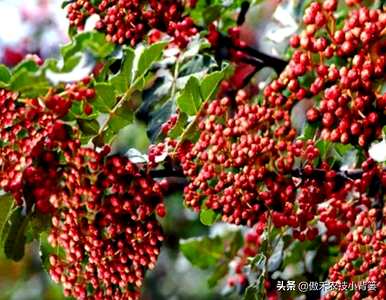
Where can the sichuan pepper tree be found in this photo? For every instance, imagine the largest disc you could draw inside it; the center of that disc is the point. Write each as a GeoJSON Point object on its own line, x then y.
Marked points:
{"type": "Point", "coordinates": [298, 164]}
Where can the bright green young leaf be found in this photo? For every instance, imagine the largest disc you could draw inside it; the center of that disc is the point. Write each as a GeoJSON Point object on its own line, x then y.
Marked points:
{"type": "Point", "coordinates": [5, 74]}
{"type": "Point", "coordinates": [203, 252]}
{"type": "Point", "coordinates": [98, 45]}
{"type": "Point", "coordinates": [208, 217]}
{"type": "Point", "coordinates": [205, 12]}
{"type": "Point", "coordinates": [105, 97]}
{"type": "Point", "coordinates": [121, 118]}
{"type": "Point", "coordinates": [324, 148]}
{"type": "Point", "coordinates": [210, 83]}
{"type": "Point", "coordinates": [29, 84]}
{"type": "Point", "coordinates": [340, 150]}
{"type": "Point", "coordinates": [149, 56]}
{"type": "Point", "coordinates": [190, 99]}
{"type": "Point", "coordinates": [26, 65]}
{"type": "Point", "coordinates": [93, 41]}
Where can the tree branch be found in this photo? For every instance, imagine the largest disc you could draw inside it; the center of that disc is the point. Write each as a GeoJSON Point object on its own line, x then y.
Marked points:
{"type": "Point", "coordinates": [254, 56]}
{"type": "Point", "coordinates": [243, 12]}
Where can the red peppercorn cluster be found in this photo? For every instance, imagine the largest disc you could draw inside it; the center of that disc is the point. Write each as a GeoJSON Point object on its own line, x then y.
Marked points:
{"type": "Point", "coordinates": [103, 206]}
{"type": "Point", "coordinates": [29, 137]}
{"type": "Point", "coordinates": [129, 21]}
{"type": "Point", "coordinates": [105, 223]}
{"type": "Point", "coordinates": [61, 103]}
{"type": "Point", "coordinates": [237, 45]}
{"type": "Point", "coordinates": [364, 259]}
{"type": "Point", "coordinates": [242, 163]}
{"type": "Point", "coordinates": [166, 127]}
{"type": "Point", "coordinates": [339, 65]}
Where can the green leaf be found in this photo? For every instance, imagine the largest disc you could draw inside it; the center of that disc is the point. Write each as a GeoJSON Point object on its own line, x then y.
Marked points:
{"type": "Point", "coordinates": [180, 126]}
{"type": "Point", "coordinates": [210, 83]}
{"type": "Point", "coordinates": [212, 13]}
{"type": "Point", "coordinates": [309, 131]}
{"type": "Point", "coordinates": [93, 41]}
{"type": "Point", "coordinates": [208, 217]}
{"type": "Point", "coordinates": [38, 223]}
{"type": "Point", "coordinates": [5, 74]}
{"type": "Point", "coordinates": [88, 127]}
{"type": "Point", "coordinates": [29, 84]}
{"type": "Point", "coordinates": [46, 250]}
{"type": "Point", "coordinates": [220, 272]}
{"type": "Point", "coordinates": [14, 235]}
{"type": "Point", "coordinates": [251, 293]}
{"type": "Point", "coordinates": [148, 56]}
{"type": "Point", "coordinates": [122, 117]}
{"type": "Point", "coordinates": [106, 97]}
{"type": "Point", "coordinates": [203, 252]}
{"type": "Point", "coordinates": [205, 12]}
{"type": "Point", "coordinates": [196, 65]}
{"type": "Point", "coordinates": [341, 150]}
{"type": "Point", "coordinates": [324, 148]}
{"type": "Point", "coordinates": [190, 99]}
{"type": "Point", "coordinates": [237, 241]}
{"type": "Point", "coordinates": [98, 45]}
{"type": "Point", "coordinates": [26, 65]}
{"type": "Point", "coordinates": [123, 79]}
{"type": "Point", "coordinates": [6, 209]}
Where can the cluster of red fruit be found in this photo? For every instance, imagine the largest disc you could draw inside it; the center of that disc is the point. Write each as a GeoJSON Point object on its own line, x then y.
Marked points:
{"type": "Point", "coordinates": [340, 67]}
{"type": "Point", "coordinates": [28, 158]}
{"type": "Point", "coordinates": [130, 21]}
{"type": "Point", "coordinates": [245, 163]}
{"type": "Point", "coordinates": [242, 164]}
{"type": "Point", "coordinates": [364, 258]}
{"type": "Point", "coordinates": [104, 221]}
{"type": "Point", "coordinates": [103, 206]}
{"type": "Point", "coordinates": [61, 103]}
{"type": "Point", "coordinates": [246, 159]}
